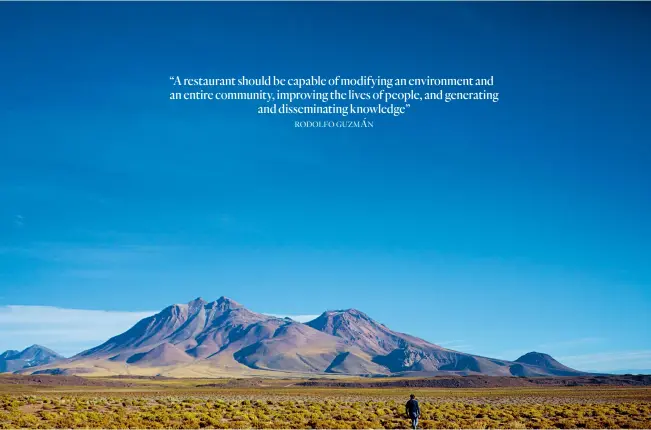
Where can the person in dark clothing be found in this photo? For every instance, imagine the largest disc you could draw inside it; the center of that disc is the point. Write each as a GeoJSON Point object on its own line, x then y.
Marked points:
{"type": "Point", "coordinates": [413, 411]}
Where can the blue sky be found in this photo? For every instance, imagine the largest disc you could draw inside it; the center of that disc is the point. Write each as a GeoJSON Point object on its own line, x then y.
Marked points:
{"type": "Point", "coordinates": [495, 229]}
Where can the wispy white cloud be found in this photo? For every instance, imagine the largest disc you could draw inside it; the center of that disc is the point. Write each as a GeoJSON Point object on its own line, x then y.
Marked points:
{"type": "Point", "coordinates": [509, 354]}
{"type": "Point", "coordinates": [91, 256]}
{"type": "Point", "coordinates": [19, 221]}
{"type": "Point", "coordinates": [457, 345]}
{"type": "Point", "coordinates": [572, 342]}
{"type": "Point", "coordinates": [67, 331]}
{"type": "Point", "coordinates": [607, 361]}
{"type": "Point", "coordinates": [560, 347]}
{"type": "Point", "coordinates": [299, 318]}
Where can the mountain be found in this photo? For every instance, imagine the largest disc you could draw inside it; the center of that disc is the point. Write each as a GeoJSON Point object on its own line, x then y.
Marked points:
{"type": "Point", "coordinates": [35, 355]}
{"type": "Point", "coordinates": [223, 338]}
{"type": "Point", "coordinates": [546, 362]}
{"type": "Point", "coordinates": [219, 335]}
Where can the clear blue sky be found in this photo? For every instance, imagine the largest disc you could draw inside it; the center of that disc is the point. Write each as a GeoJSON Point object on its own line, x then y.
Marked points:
{"type": "Point", "coordinates": [492, 228]}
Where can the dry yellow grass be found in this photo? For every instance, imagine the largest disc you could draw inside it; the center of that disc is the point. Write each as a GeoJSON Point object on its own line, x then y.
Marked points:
{"type": "Point", "coordinates": [180, 404]}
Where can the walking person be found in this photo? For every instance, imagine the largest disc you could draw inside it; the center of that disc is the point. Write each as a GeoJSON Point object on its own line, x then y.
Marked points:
{"type": "Point", "coordinates": [413, 411]}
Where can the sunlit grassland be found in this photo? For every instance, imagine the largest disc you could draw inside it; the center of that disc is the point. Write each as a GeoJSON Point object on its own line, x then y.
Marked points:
{"type": "Point", "coordinates": [181, 404]}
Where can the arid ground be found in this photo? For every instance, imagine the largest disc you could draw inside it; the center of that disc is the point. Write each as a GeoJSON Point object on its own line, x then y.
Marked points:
{"type": "Point", "coordinates": [73, 402]}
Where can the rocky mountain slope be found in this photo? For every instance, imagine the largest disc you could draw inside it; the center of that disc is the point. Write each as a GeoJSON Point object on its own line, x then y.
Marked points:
{"type": "Point", "coordinates": [223, 338]}
{"type": "Point", "coordinates": [35, 355]}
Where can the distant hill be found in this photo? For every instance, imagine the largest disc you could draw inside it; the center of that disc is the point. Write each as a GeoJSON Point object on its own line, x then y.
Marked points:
{"type": "Point", "coordinates": [222, 338]}
{"type": "Point", "coordinates": [35, 355]}
{"type": "Point", "coordinates": [547, 363]}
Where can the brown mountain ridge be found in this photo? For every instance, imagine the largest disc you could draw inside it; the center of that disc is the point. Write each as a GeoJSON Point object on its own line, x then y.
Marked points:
{"type": "Point", "coordinates": [222, 338]}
